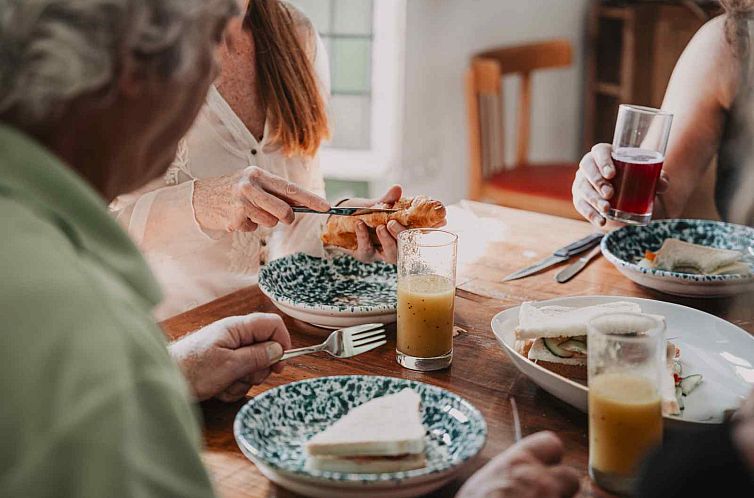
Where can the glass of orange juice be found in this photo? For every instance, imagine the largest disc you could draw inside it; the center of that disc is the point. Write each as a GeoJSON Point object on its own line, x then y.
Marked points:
{"type": "Point", "coordinates": [426, 296]}
{"type": "Point", "coordinates": [626, 362]}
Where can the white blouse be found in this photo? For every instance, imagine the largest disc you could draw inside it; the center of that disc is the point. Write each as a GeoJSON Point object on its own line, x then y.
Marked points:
{"type": "Point", "coordinates": [195, 266]}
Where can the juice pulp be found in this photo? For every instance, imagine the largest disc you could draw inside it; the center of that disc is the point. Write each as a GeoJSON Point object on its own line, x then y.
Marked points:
{"type": "Point", "coordinates": [425, 315]}
{"type": "Point", "coordinates": [625, 422]}
{"type": "Point", "coordinates": [635, 181]}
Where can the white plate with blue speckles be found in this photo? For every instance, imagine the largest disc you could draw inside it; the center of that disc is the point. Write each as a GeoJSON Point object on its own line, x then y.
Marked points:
{"type": "Point", "coordinates": [272, 428]}
{"type": "Point", "coordinates": [718, 350]}
{"type": "Point", "coordinates": [332, 292]}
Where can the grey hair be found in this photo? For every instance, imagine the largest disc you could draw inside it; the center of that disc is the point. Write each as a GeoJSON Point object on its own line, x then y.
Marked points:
{"type": "Point", "coordinates": [53, 51]}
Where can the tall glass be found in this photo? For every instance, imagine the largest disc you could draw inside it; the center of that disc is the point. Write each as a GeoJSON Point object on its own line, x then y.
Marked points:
{"type": "Point", "coordinates": [426, 297]}
{"type": "Point", "coordinates": [626, 363]}
{"type": "Point", "coordinates": [639, 143]}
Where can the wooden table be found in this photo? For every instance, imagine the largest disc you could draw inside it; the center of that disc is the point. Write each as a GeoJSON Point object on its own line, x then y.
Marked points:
{"type": "Point", "coordinates": [494, 241]}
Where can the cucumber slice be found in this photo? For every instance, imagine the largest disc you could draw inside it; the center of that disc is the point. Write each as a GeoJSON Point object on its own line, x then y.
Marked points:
{"type": "Point", "coordinates": [574, 346]}
{"type": "Point", "coordinates": [689, 383]}
{"type": "Point", "coordinates": [552, 345]}
{"type": "Point", "coordinates": [679, 397]}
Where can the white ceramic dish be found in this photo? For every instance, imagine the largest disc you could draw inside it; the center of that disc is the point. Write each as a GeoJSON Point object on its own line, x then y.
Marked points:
{"type": "Point", "coordinates": [722, 352]}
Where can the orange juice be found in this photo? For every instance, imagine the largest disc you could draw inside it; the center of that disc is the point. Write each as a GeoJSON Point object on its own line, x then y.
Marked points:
{"type": "Point", "coordinates": [425, 315]}
{"type": "Point", "coordinates": [625, 422]}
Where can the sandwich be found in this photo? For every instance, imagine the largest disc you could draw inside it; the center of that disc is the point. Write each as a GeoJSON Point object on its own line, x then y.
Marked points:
{"type": "Point", "coordinates": [415, 212]}
{"type": "Point", "coordinates": [385, 434]}
{"type": "Point", "coordinates": [554, 337]}
{"type": "Point", "coordinates": [684, 257]}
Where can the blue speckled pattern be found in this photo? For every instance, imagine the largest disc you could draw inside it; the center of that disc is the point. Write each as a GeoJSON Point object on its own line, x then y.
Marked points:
{"type": "Point", "coordinates": [625, 246]}
{"type": "Point", "coordinates": [272, 427]}
{"type": "Point", "coordinates": [339, 284]}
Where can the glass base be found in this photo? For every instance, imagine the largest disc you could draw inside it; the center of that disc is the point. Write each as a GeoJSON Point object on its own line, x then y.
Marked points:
{"type": "Point", "coordinates": [629, 218]}
{"type": "Point", "coordinates": [424, 364]}
{"type": "Point", "coordinates": [615, 483]}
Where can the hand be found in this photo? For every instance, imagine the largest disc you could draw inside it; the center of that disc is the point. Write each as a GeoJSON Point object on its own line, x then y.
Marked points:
{"type": "Point", "coordinates": [743, 431]}
{"type": "Point", "coordinates": [387, 235]}
{"type": "Point", "coordinates": [250, 198]}
{"type": "Point", "coordinates": [528, 469]}
{"type": "Point", "coordinates": [591, 188]}
{"type": "Point", "coordinates": [226, 358]}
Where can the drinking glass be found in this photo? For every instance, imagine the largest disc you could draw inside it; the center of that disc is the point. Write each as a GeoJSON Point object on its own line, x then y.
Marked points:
{"type": "Point", "coordinates": [626, 363]}
{"type": "Point", "coordinates": [639, 143]}
{"type": "Point", "coordinates": [426, 296]}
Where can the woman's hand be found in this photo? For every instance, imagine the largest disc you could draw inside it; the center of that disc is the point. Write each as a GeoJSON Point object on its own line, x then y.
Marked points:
{"type": "Point", "coordinates": [591, 188]}
{"type": "Point", "coordinates": [224, 359]}
{"type": "Point", "coordinates": [248, 199]}
{"type": "Point", "coordinates": [366, 251]}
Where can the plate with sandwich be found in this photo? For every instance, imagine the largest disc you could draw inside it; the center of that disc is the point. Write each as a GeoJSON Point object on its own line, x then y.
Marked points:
{"type": "Point", "coordinates": [710, 362]}
{"type": "Point", "coordinates": [356, 434]}
{"type": "Point", "coordinates": [691, 258]}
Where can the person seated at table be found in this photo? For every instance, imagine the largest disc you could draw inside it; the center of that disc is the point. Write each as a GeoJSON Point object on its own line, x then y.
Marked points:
{"type": "Point", "coordinates": [710, 95]}
{"type": "Point", "coordinates": [211, 221]}
{"type": "Point", "coordinates": [94, 98]}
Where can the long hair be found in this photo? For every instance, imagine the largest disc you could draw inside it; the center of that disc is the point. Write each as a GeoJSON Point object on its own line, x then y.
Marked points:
{"type": "Point", "coordinates": [288, 84]}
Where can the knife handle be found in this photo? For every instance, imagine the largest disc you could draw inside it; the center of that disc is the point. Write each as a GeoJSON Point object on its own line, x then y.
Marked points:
{"type": "Point", "coordinates": [580, 245]}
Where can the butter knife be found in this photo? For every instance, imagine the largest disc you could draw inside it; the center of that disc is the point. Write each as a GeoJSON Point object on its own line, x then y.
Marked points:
{"type": "Point", "coordinates": [344, 211]}
{"type": "Point", "coordinates": [562, 254]}
{"type": "Point", "coordinates": [570, 271]}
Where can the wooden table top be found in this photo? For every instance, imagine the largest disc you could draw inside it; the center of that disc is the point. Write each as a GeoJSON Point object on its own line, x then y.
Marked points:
{"type": "Point", "coordinates": [493, 241]}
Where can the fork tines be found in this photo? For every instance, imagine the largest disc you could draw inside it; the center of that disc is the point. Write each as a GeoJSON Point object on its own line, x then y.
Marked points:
{"type": "Point", "coordinates": [366, 337]}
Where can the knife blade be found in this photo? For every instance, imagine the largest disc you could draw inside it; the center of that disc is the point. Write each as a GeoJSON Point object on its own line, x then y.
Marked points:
{"type": "Point", "coordinates": [570, 271]}
{"type": "Point", "coordinates": [562, 254]}
{"type": "Point", "coordinates": [344, 211]}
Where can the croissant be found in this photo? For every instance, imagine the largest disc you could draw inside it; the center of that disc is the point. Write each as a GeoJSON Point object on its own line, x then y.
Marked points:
{"type": "Point", "coordinates": [416, 212]}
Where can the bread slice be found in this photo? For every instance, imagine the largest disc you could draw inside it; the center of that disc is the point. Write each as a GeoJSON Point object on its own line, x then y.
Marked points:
{"type": "Point", "coordinates": [367, 465]}
{"type": "Point", "coordinates": [388, 426]}
{"type": "Point", "coordinates": [677, 255]}
{"type": "Point", "coordinates": [572, 368]}
{"type": "Point", "coordinates": [561, 321]}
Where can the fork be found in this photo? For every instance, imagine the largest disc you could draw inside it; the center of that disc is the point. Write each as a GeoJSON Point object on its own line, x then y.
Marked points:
{"type": "Point", "coordinates": [345, 343]}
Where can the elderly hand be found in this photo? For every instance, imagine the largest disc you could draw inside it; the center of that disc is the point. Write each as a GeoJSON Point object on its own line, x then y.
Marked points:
{"type": "Point", "coordinates": [249, 198]}
{"type": "Point", "coordinates": [529, 469]}
{"type": "Point", "coordinates": [387, 235]}
{"type": "Point", "coordinates": [592, 189]}
{"type": "Point", "coordinates": [226, 358]}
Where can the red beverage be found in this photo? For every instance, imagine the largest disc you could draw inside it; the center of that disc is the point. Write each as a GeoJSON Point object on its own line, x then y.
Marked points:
{"type": "Point", "coordinates": [635, 181]}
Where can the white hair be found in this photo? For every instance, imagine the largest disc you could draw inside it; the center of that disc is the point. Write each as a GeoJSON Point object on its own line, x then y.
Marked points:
{"type": "Point", "coordinates": [53, 51]}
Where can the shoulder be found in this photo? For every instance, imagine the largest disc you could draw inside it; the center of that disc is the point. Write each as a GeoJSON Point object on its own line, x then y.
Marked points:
{"type": "Point", "coordinates": [710, 62]}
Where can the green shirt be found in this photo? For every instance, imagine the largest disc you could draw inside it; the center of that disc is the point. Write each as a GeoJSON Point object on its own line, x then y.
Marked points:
{"type": "Point", "coordinates": [91, 404]}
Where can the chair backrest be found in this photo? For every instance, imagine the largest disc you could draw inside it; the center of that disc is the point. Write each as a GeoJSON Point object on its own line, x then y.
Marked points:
{"type": "Point", "coordinates": [484, 99]}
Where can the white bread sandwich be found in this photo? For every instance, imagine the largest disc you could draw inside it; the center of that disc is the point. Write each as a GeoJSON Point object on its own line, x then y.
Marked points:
{"type": "Point", "coordinates": [684, 257]}
{"type": "Point", "coordinates": [385, 434]}
{"type": "Point", "coordinates": [555, 336]}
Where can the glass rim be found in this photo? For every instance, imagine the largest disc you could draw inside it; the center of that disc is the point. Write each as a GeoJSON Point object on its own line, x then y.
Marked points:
{"type": "Point", "coordinates": [657, 328]}
{"type": "Point", "coordinates": [646, 110]}
{"type": "Point", "coordinates": [453, 236]}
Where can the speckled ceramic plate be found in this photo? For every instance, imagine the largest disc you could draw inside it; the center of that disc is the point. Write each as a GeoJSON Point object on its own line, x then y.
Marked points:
{"type": "Point", "coordinates": [272, 428]}
{"type": "Point", "coordinates": [331, 292]}
{"type": "Point", "coordinates": [718, 350]}
{"type": "Point", "coordinates": [625, 247]}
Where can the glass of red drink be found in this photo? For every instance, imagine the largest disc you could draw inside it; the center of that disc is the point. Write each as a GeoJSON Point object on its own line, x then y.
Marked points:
{"type": "Point", "coordinates": [641, 137]}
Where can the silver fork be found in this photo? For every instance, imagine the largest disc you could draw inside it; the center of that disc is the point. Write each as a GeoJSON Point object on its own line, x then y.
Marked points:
{"type": "Point", "coordinates": [345, 343]}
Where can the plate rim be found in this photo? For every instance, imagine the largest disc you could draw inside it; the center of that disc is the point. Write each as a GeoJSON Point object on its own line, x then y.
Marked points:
{"type": "Point", "coordinates": [261, 283]}
{"type": "Point", "coordinates": [672, 275]}
{"type": "Point", "coordinates": [366, 478]}
{"type": "Point", "coordinates": [585, 389]}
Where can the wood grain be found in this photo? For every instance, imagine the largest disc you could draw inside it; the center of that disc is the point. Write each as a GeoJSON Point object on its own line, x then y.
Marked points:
{"type": "Point", "coordinates": [481, 372]}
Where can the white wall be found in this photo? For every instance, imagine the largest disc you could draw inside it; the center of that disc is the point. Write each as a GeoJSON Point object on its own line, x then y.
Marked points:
{"type": "Point", "coordinates": [441, 37]}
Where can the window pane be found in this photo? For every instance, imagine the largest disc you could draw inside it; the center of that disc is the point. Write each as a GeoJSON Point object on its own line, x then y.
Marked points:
{"type": "Point", "coordinates": [350, 121]}
{"type": "Point", "coordinates": [353, 17]}
{"type": "Point", "coordinates": [318, 11]}
{"type": "Point", "coordinates": [351, 61]}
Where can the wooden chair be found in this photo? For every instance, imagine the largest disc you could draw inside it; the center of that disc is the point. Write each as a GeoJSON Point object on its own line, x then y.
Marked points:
{"type": "Point", "coordinates": [545, 188]}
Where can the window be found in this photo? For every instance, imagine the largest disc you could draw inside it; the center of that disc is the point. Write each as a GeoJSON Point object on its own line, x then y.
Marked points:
{"type": "Point", "coordinates": [364, 41]}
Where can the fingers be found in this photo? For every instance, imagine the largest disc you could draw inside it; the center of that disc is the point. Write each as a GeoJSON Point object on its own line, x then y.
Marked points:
{"type": "Point", "coordinates": [255, 328]}
{"type": "Point", "coordinates": [544, 446]}
{"type": "Point", "coordinates": [256, 360]}
{"type": "Point", "coordinates": [288, 191]}
{"type": "Point", "coordinates": [587, 202]}
{"type": "Point", "coordinates": [388, 240]}
{"type": "Point", "coordinates": [601, 154]}
{"type": "Point", "coordinates": [664, 183]}
{"type": "Point", "coordinates": [365, 249]}
{"type": "Point", "coordinates": [263, 207]}
{"type": "Point", "coordinates": [392, 195]}
{"type": "Point", "coordinates": [566, 480]}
